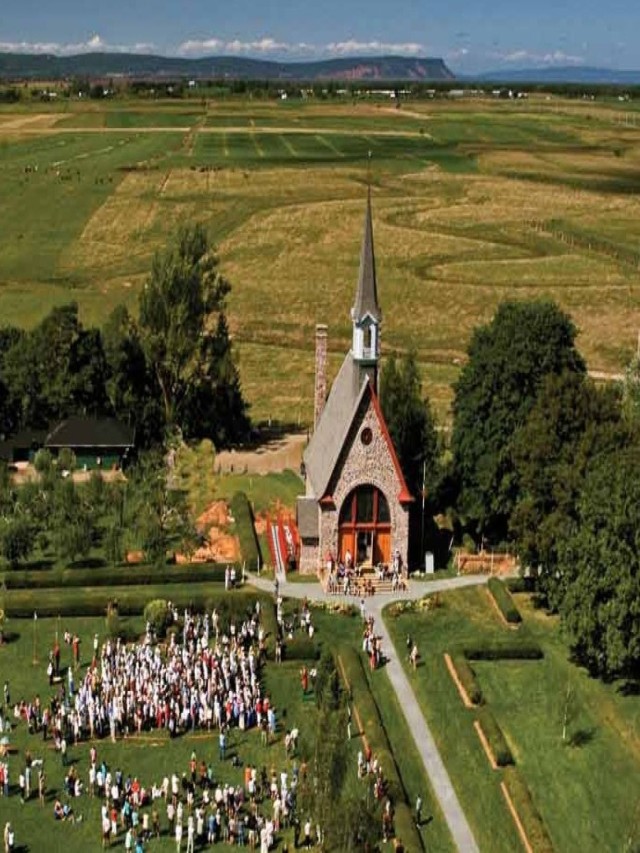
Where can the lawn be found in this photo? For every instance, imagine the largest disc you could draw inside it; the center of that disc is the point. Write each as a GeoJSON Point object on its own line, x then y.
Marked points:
{"type": "Point", "coordinates": [587, 789]}
{"type": "Point", "coordinates": [473, 203]}
{"type": "Point", "coordinates": [152, 755]}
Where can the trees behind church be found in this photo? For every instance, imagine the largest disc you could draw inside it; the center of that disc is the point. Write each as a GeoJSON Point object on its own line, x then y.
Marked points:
{"type": "Point", "coordinates": [535, 449]}
{"type": "Point", "coordinates": [173, 368]}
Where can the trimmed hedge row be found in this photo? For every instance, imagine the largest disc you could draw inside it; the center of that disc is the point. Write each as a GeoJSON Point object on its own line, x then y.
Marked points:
{"type": "Point", "coordinates": [376, 736]}
{"type": "Point", "coordinates": [520, 584]}
{"type": "Point", "coordinates": [495, 737]}
{"type": "Point", "coordinates": [300, 648]}
{"type": "Point", "coordinates": [532, 822]}
{"type": "Point", "coordinates": [120, 576]}
{"type": "Point", "coordinates": [468, 679]}
{"type": "Point", "coordinates": [499, 650]}
{"type": "Point", "coordinates": [502, 598]}
{"type": "Point", "coordinates": [245, 530]}
{"type": "Point", "coordinates": [131, 602]}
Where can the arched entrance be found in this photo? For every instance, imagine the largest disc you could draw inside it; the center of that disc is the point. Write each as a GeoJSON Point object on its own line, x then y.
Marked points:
{"type": "Point", "coordinates": [364, 528]}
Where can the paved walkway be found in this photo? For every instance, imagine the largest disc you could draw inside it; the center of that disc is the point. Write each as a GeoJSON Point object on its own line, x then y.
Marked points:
{"type": "Point", "coordinates": [425, 744]}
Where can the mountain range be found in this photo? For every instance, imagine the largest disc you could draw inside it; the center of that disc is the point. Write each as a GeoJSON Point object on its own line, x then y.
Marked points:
{"type": "Point", "coordinates": [20, 66]}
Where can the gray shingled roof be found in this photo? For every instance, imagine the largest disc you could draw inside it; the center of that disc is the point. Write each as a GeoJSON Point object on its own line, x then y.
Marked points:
{"type": "Point", "coordinates": [307, 518]}
{"type": "Point", "coordinates": [80, 431]}
{"type": "Point", "coordinates": [327, 441]}
{"type": "Point", "coordinates": [367, 292]}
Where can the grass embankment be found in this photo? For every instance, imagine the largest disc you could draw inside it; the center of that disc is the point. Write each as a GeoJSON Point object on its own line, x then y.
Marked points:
{"type": "Point", "coordinates": [585, 789]}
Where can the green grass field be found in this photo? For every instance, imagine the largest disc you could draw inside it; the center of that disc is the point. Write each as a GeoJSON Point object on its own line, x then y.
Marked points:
{"type": "Point", "coordinates": [585, 789]}
{"type": "Point", "coordinates": [474, 202]}
{"type": "Point", "coordinates": [150, 756]}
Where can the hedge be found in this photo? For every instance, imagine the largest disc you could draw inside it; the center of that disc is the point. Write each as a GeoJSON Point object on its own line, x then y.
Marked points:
{"type": "Point", "coordinates": [493, 734]}
{"type": "Point", "coordinates": [131, 602]}
{"type": "Point", "coordinates": [506, 604]}
{"type": "Point", "coordinates": [468, 679]}
{"type": "Point", "coordinates": [119, 576]}
{"type": "Point", "coordinates": [245, 530]}
{"type": "Point", "coordinates": [405, 827]}
{"type": "Point", "coordinates": [532, 822]}
{"type": "Point", "coordinates": [300, 648]}
{"type": "Point", "coordinates": [500, 650]}
{"type": "Point", "coordinates": [521, 584]}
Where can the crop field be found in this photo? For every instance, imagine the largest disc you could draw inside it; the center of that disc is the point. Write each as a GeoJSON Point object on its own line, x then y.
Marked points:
{"type": "Point", "coordinates": [474, 202]}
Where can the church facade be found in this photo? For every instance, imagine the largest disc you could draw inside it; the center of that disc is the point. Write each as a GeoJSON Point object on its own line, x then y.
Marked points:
{"type": "Point", "coordinates": [356, 502]}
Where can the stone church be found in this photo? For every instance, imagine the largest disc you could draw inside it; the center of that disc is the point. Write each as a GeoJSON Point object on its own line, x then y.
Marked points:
{"type": "Point", "coordinates": [356, 499]}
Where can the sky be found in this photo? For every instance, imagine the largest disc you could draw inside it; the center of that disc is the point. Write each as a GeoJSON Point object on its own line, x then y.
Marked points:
{"type": "Point", "coordinates": [470, 36]}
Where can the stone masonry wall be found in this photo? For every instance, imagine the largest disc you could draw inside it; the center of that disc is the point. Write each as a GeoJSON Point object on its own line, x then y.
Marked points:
{"type": "Point", "coordinates": [362, 464]}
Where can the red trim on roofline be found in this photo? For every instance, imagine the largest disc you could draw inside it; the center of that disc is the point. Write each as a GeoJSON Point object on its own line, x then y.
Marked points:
{"type": "Point", "coordinates": [405, 495]}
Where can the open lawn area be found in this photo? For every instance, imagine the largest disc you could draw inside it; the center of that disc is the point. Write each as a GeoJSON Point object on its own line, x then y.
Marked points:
{"type": "Point", "coordinates": [474, 202]}
{"type": "Point", "coordinates": [149, 756]}
{"type": "Point", "coordinates": [586, 788]}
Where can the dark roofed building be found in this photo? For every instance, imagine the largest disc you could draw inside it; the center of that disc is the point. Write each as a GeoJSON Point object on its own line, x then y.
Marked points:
{"type": "Point", "coordinates": [356, 499]}
{"type": "Point", "coordinates": [96, 442]}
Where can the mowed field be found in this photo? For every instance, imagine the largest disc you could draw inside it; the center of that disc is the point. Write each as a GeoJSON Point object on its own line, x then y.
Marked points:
{"type": "Point", "coordinates": [474, 202]}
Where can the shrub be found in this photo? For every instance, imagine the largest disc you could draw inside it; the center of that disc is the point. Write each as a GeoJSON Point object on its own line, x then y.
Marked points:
{"type": "Point", "coordinates": [158, 615]}
{"type": "Point", "coordinates": [498, 650]}
{"type": "Point", "coordinates": [468, 679]}
{"type": "Point", "coordinates": [495, 737]}
{"type": "Point", "coordinates": [532, 822]}
{"type": "Point", "coordinates": [243, 517]}
{"type": "Point", "coordinates": [300, 648]}
{"type": "Point", "coordinates": [506, 604]}
{"type": "Point", "coordinates": [521, 584]}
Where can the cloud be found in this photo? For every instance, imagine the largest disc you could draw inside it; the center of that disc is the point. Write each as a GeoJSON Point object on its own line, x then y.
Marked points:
{"type": "Point", "coordinates": [94, 44]}
{"type": "Point", "coordinates": [348, 48]}
{"type": "Point", "coordinates": [556, 57]}
{"type": "Point", "coordinates": [268, 47]}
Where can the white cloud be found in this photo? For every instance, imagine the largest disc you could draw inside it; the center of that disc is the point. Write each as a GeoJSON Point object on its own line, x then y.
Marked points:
{"type": "Point", "coordinates": [351, 47]}
{"type": "Point", "coordinates": [268, 47]}
{"type": "Point", "coordinates": [557, 57]}
{"type": "Point", "coordinates": [93, 44]}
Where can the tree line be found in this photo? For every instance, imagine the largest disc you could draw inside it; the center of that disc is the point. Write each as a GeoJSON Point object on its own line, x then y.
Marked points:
{"type": "Point", "coordinates": [170, 369]}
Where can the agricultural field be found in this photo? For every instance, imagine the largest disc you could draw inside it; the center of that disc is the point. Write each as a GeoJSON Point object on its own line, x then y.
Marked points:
{"type": "Point", "coordinates": [474, 202]}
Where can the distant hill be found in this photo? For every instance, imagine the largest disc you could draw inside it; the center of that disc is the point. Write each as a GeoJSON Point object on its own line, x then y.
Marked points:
{"type": "Point", "coordinates": [565, 74]}
{"type": "Point", "coordinates": [16, 66]}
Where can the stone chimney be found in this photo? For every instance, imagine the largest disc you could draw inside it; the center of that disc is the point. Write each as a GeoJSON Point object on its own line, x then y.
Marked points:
{"type": "Point", "coordinates": [320, 393]}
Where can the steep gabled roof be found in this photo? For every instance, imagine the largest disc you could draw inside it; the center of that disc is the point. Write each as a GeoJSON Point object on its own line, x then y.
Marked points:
{"type": "Point", "coordinates": [367, 291]}
{"type": "Point", "coordinates": [330, 438]}
{"type": "Point", "coordinates": [327, 441]}
{"type": "Point", "coordinates": [80, 431]}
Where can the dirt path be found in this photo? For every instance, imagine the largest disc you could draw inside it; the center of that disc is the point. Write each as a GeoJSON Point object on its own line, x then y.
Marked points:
{"type": "Point", "coordinates": [276, 455]}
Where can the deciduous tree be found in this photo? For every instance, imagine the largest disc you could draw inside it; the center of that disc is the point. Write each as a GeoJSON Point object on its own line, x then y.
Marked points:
{"type": "Point", "coordinates": [599, 567]}
{"type": "Point", "coordinates": [507, 362]}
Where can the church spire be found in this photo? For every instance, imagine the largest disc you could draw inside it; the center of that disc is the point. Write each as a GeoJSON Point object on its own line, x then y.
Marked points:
{"type": "Point", "coordinates": [367, 290]}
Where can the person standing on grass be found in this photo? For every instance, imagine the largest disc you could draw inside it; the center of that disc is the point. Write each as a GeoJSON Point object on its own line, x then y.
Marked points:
{"type": "Point", "coordinates": [418, 811]}
{"type": "Point", "coordinates": [178, 836]}
{"type": "Point", "coordinates": [414, 656]}
{"type": "Point", "coordinates": [190, 835]}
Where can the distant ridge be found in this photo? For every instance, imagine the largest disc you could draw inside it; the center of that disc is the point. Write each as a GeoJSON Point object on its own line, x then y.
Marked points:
{"type": "Point", "coordinates": [20, 66]}
{"type": "Point", "coordinates": [564, 74]}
